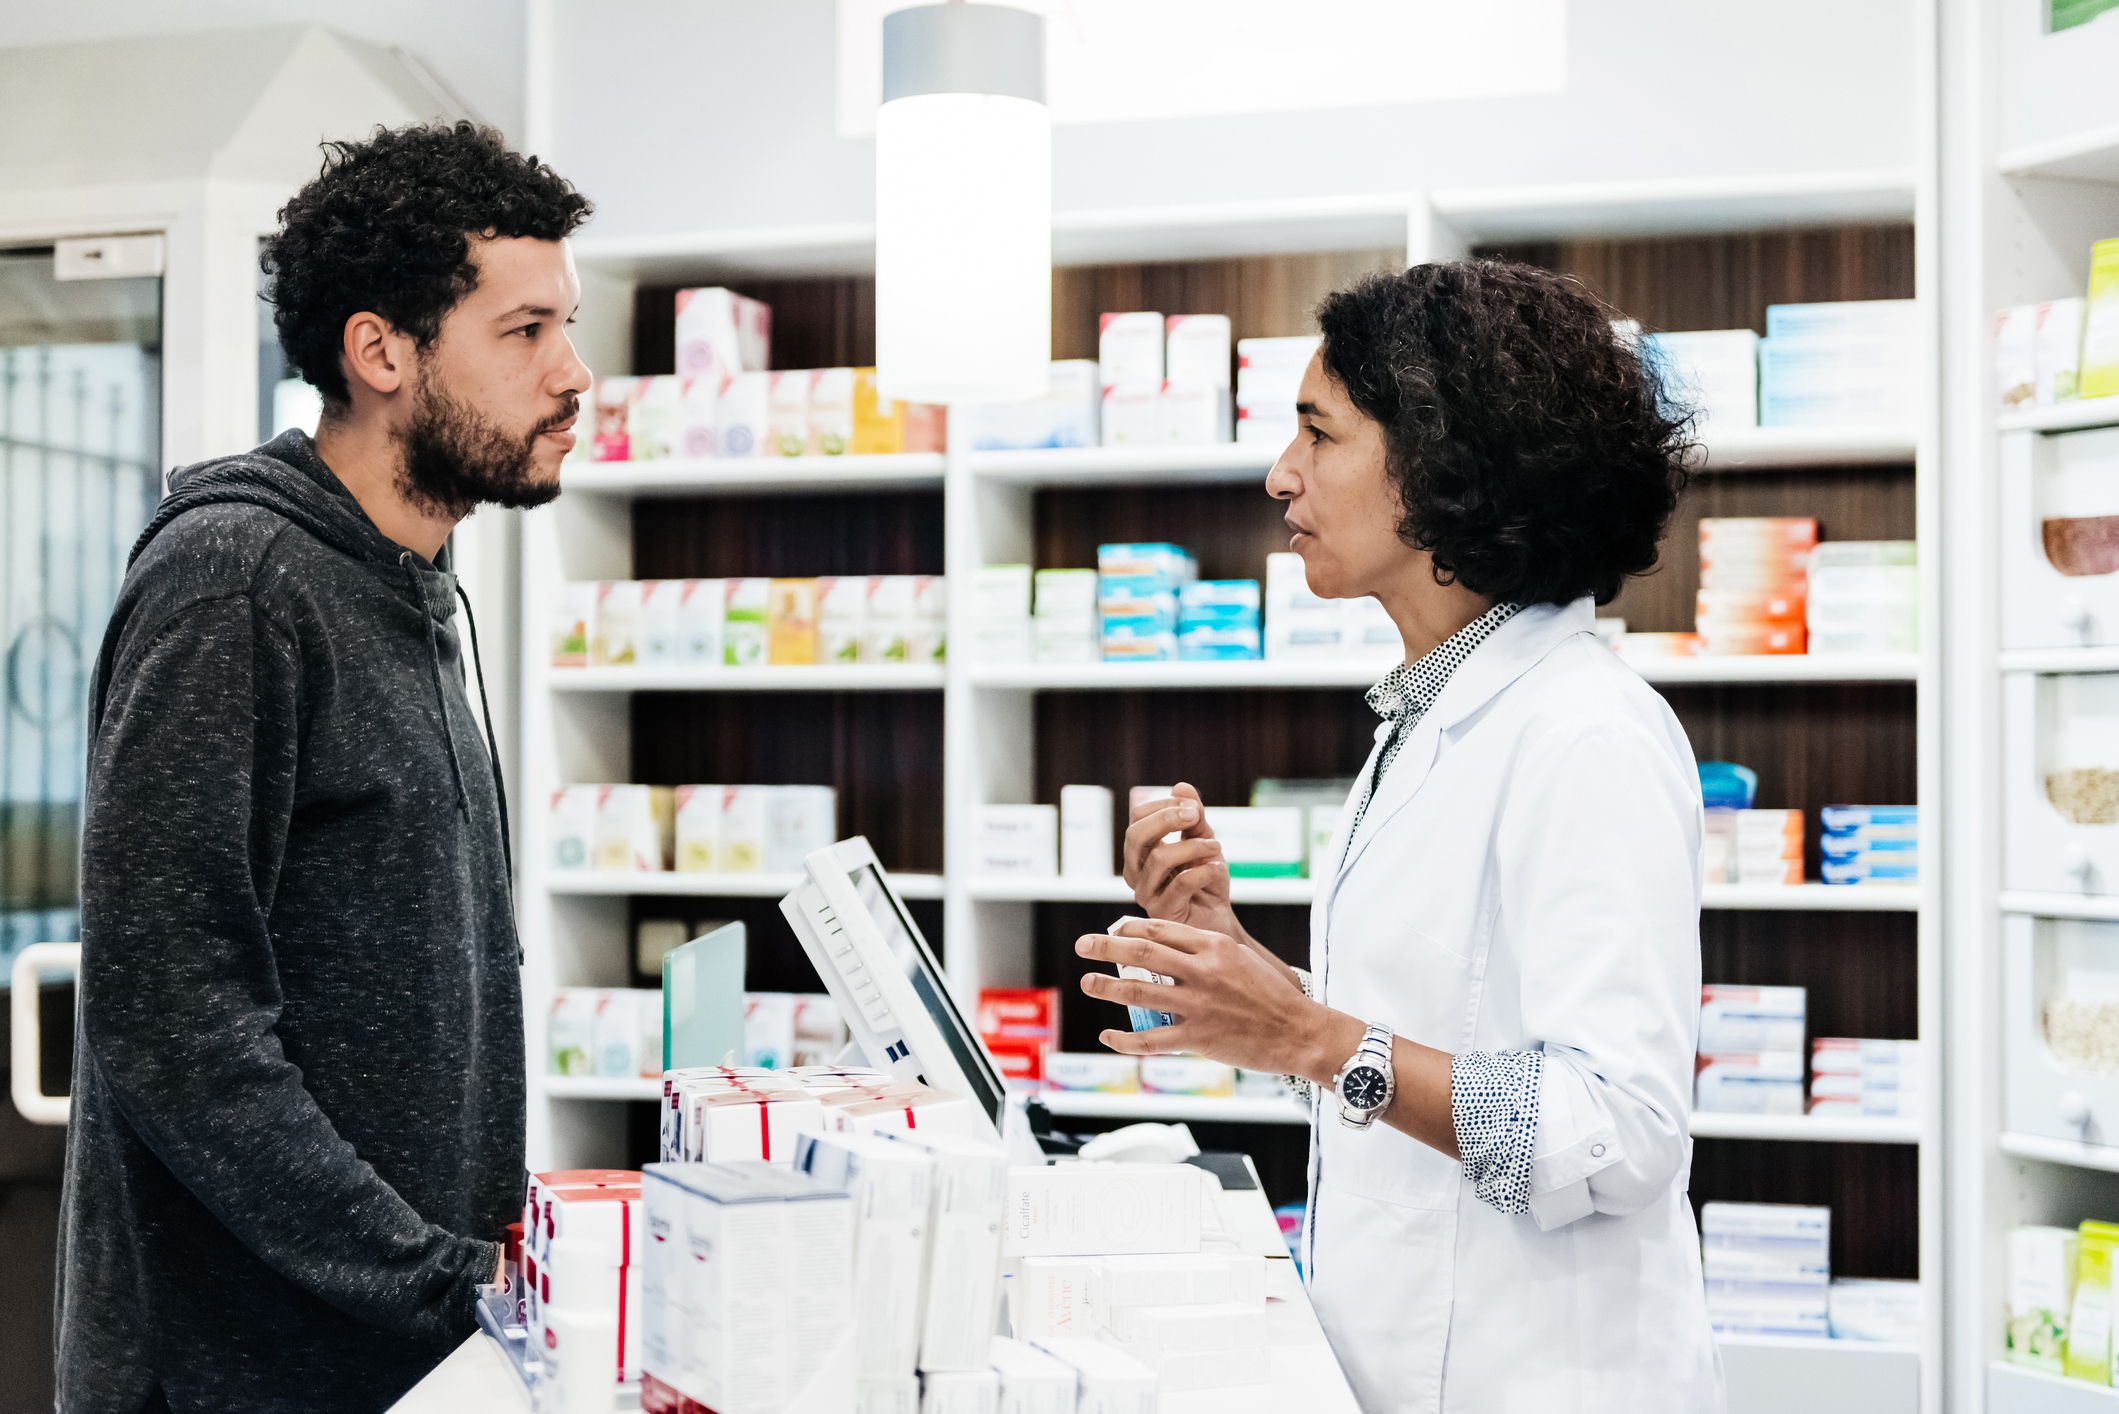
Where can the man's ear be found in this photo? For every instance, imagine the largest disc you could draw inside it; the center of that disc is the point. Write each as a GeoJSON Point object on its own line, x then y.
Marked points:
{"type": "Point", "coordinates": [376, 354]}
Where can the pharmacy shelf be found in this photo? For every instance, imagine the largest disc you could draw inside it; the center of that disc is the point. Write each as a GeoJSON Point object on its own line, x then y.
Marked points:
{"type": "Point", "coordinates": [1729, 1340]}
{"type": "Point", "coordinates": [2103, 659]}
{"type": "Point", "coordinates": [2060, 1151]}
{"type": "Point", "coordinates": [1110, 466]}
{"type": "Point", "coordinates": [1819, 1129]}
{"type": "Point", "coordinates": [1772, 448]}
{"type": "Point", "coordinates": [861, 677]}
{"type": "Point", "coordinates": [738, 476]}
{"type": "Point", "coordinates": [2011, 1389]}
{"type": "Point", "coordinates": [1363, 672]}
{"type": "Point", "coordinates": [1811, 898]}
{"type": "Point", "coordinates": [2045, 905]}
{"type": "Point", "coordinates": [1203, 1109]}
{"type": "Point", "coordinates": [1774, 1374]}
{"type": "Point", "coordinates": [671, 884]}
{"type": "Point", "coordinates": [602, 1087]}
{"type": "Point", "coordinates": [2091, 156]}
{"type": "Point", "coordinates": [2061, 417]}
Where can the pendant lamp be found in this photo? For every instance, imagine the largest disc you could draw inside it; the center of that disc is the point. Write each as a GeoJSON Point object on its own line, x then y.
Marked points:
{"type": "Point", "coordinates": [963, 206]}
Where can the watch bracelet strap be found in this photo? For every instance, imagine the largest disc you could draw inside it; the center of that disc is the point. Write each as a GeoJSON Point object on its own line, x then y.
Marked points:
{"type": "Point", "coordinates": [1303, 1089]}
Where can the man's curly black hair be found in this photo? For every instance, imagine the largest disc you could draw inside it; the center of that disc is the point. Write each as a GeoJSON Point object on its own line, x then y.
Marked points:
{"type": "Point", "coordinates": [1532, 451]}
{"type": "Point", "coordinates": [386, 227]}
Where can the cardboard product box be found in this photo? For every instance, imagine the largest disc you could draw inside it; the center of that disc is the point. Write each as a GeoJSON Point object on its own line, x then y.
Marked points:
{"type": "Point", "coordinates": [1032, 1382]}
{"type": "Point", "coordinates": [1711, 374]}
{"type": "Point", "coordinates": [831, 411]}
{"type": "Point", "coordinates": [1018, 841]}
{"type": "Point", "coordinates": [878, 422]}
{"type": "Point", "coordinates": [884, 1394]}
{"type": "Point", "coordinates": [1886, 319]}
{"type": "Point", "coordinates": [964, 1249]}
{"type": "Point", "coordinates": [1132, 415]}
{"type": "Point", "coordinates": [1021, 1063]}
{"type": "Point", "coordinates": [761, 1125]}
{"type": "Point", "coordinates": [655, 421]}
{"type": "Point", "coordinates": [1173, 1279]}
{"type": "Point", "coordinates": [799, 821]}
{"type": "Point", "coordinates": [741, 847]}
{"type": "Point", "coordinates": [820, 1032]}
{"type": "Point", "coordinates": [1001, 593]}
{"type": "Point", "coordinates": [2100, 324]}
{"type": "Point", "coordinates": [614, 634]}
{"type": "Point", "coordinates": [842, 617]}
{"type": "Point", "coordinates": [959, 1391]}
{"type": "Point", "coordinates": [1098, 1071]}
{"type": "Point", "coordinates": [1065, 594]}
{"type": "Point", "coordinates": [659, 603]}
{"type": "Point", "coordinates": [573, 615]}
{"type": "Point", "coordinates": [1186, 1075]}
{"type": "Point", "coordinates": [743, 416]}
{"type": "Point", "coordinates": [1874, 1309]}
{"type": "Point", "coordinates": [1130, 569]}
{"type": "Point", "coordinates": [769, 1030]}
{"type": "Point", "coordinates": [1088, 834]}
{"type": "Point", "coordinates": [1261, 842]}
{"type": "Point", "coordinates": [1019, 1014]}
{"type": "Point", "coordinates": [1163, 1336]}
{"type": "Point", "coordinates": [701, 607]}
{"type": "Point", "coordinates": [892, 1190]}
{"type": "Point", "coordinates": [1062, 641]}
{"type": "Point", "coordinates": [927, 428]}
{"type": "Point", "coordinates": [2089, 1344]}
{"type": "Point", "coordinates": [1737, 1019]}
{"type": "Point", "coordinates": [2057, 354]}
{"type": "Point", "coordinates": [722, 334]}
{"type": "Point", "coordinates": [888, 623]}
{"type": "Point", "coordinates": [1274, 366]}
{"type": "Point", "coordinates": [1102, 1209]}
{"type": "Point", "coordinates": [1066, 416]}
{"type": "Point", "coordinates": [1196, 351]}
{"type": "Point", "coordinates": [699, 417]}
{"type": "Point", "coordinates": [1819, 381]}
{"type": "Point", "coordinates": [1768, 1082]}
{"type": "Point", "coordinates": [1192, 415]}
{"type": "Point", "coordinates": [1108, 1380]}
{"type": "Point", "coordinates": [635, 828]}
{"type": "Point", "coordinates": [574, 827]}
{"type": "Point", "coordinates": [2016, 357]}
{"type": "Point", "coordinates": [570, 1035]}
{"type": "Point", "coordinates": [2041, 1293]}
{"type": "Point", "coordinates": [744, 642]}
{"type": "Point", "coordinates": [930, 620]}
{"type": "Point", "coordinates": [611, 399]}
{"type": "Point", "coordinates": [615, 1032]}
{"type": "Point", "coordinates": [791, 622]}
{"type": "Point", "coordinates": [1129, 349]}
{"type": "Point", "coordinates": [788, 411]}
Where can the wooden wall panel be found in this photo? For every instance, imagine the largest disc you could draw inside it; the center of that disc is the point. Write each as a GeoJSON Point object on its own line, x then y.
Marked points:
{"type": "Point", "coordinates": [797, 536]}
{"type": "Point", "coordinates": [824, 322]}
{"type": "Point", "coordinates": [1231, 528]}
{"type": "Point", "coordinates": [882, 752]}
{"type": "Point", "coordinates": [1857, 968]}
{"type": "Point", "coordinates": [1726, 281]}
{"type": "Point", "coordinates": [1873, 1191]}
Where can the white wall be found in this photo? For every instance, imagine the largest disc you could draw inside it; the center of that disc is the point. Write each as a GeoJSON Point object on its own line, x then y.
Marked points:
{"type": "Point", "coordinates": [691, 115]}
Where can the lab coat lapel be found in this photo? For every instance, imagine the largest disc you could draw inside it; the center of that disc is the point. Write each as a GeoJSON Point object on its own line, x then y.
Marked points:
{"type": "Point", "coordinates": [1512, 650]}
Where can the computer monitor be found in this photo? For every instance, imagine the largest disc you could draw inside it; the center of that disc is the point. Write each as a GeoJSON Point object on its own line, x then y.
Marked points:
{"type": "Point", "coordinates": [861, 938]}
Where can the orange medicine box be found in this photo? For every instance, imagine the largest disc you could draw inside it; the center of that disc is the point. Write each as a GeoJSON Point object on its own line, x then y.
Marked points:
{"type": "Point", "coordinates": [791, 621]}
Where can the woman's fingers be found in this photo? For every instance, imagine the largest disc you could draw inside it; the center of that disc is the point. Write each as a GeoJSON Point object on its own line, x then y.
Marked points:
{"type": "Point", "coordinates": [1170, 862]}
{"type": "Point", "coordinates": [1130, 952]}
{"type": "Point", "coordinates": [1179, 937]}
{"type": "Point", "coordinates": [1156, 820]}
{"type": "Point", "coordinates": [1150, 996]}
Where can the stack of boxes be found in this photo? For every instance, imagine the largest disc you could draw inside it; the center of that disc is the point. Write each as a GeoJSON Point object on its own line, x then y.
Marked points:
{"type": "Point", "coordinates": [1871, 844]}
{"type": "Point", "coordinates": [700, 829]}
{"type": "Point", "coordinates": [1068, 626]}
{"type": "Point", "coordinates": [1859, 1078]}
{"type": "Point", "coordinates": [1137, 595]}
{"type": "Point", "coordinates": [1710, 375]}
{"type": "Point", "coordinates": [1754, 846]}
{"type": "Point", "coordinates": [1299, 626]}
{"type": "Point", "coordinates": [1218, 621]}
{"type": "Point", "coordinates": [1164, 382]}
{"type": "Point", "coordinates": [1066, 416]}
{"type": "Point", "coordinates": [583, 1276]}
{"type": "Point", "coordinates": [1268, 383]}
{"type": "Point", "coordinates": [1000, 614]}
{"type": "Point", "coordinates": [1018, 1026]}
{"type": "Point", "coordinates": [1751, 1050]}
{"type": "Point", "coordinates": [614, 1032]}
{"type": "Point", "coordinates": [2038, 354]}
{"type": "Point", "coordinates": [1768, 1268]}
{"type": "Point", "coordinates": [834, 620]}
{"type": "Point", "coordinates": [1853, 363]}
{"type": "Point", "coordinates": [1753, 580]}
{"type": "Point", "coordinates": [1864, 597]}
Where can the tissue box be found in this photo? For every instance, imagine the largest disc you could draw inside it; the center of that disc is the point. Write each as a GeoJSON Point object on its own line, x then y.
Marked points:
{"type": "Point", "coordinates": [1102, 1209]}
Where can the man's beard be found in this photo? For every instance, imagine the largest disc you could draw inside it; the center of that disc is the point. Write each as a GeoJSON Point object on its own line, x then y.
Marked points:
{"type": "Point", "coordinates": [456, 459]}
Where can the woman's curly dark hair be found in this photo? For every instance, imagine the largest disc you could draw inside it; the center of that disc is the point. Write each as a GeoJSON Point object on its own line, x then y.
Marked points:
{"type": "Point", "coordinates": [1531, 446]}
{"type": "Point", "coordinates": [386, 227]}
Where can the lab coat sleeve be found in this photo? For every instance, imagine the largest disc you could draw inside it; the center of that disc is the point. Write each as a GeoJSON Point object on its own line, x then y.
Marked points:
{"type": "Point", "coordinates": [1598, 858]}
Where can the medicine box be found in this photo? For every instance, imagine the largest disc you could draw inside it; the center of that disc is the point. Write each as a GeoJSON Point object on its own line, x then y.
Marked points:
{"type": "Point", "coordinates": [831, 412]}
{"type": "Point", "coordinates": [787, 409]}
{"type": "Point", "coordinates": [1210, 1346]}
{"type": "Point", "coordinates": [1711, 375]}
{"type": "Point", "coordinates": [1066, 416]}
{"type": "Point", "coordinates": [743, 417]}
{"type": "Point", "coordinates": [791, 622]}
{"type": "Point", "coordinates": [1129, 349]}
{"type": "Point", "coordinates": [1102, 1209]}
{"type": "Point", "coordinates": [1186, 1075]}
{"type": "Point", "coordinates": [744, 641]}
{"type": "Point", "coordinates": [891, 1186]}
{"type": "Point", "coordinates": [1032, 1382]}
{"type": "Point", "coordinates": [699, 418]}
{"type": "Point", "coordinates": [965, 1222]}
{"type": "Point", "coordinates": [1196, 351]}
{"type": "Point", "coordinates": [2041, 1291]}
{"type": "Point", "coordinates": [1875, 1309]}
{"type": "Point", "coordinates": [959, 1391]}
{"type": "Point", "coordinates": [1018, 841]}
{"type": "Point", "coordinates": [1097, 1071]}
{"type": "Point", "coordinates": [722, 334]}
{"type": "Point", "coordinates": [1769, 1082]}
{"type": "Point", "coordinates": [1748, 1019]}
{"type": "Point", "coordinates": [1173, 1279]}
{"type": "Point", "coordinates": [1190, 415]}
{"type": "Point", "coordinates": [1109, 1381]}
{"type": "Point", "coordinates": [615, 628]}
{"type": "Point", "coordinates": [1132, 415]}
{"type": "Point", "coordinates": [573, 615]}
{"type": "Point", "coordinates": [1261, 842]}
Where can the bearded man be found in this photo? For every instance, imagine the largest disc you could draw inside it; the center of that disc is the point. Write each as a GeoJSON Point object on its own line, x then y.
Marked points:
{"type": "Point", "coordinates": [297, 1131]}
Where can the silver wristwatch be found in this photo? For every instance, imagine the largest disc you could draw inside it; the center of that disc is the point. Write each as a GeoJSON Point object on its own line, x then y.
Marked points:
{"type": "Point", "coordinates": [1365, 1084]}
{"type": "Point", "coordinates": [1302, 1087]}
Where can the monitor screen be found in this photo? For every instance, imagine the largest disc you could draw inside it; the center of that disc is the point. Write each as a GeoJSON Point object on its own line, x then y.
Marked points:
{"type": "Point", "coordinates": [910, 949]}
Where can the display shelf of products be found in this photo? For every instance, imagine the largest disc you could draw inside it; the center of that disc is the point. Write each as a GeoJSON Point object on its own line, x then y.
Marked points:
{"type": "Point", "coordinates": [679, 884]}
{"type": "Point", "coordinates": [818, 677]}
{"type": "Point", "coordinates": [603, 1087]}
{"type": "Point", "coordinates": [2060, 1151]}
{"type": "Point", "coordinates": [2061, 417]}
{"type": "Point", "coordinates": [1730, 1340]}
{"type": "Point", "coordinates": [695, 476]}
{"type": "Point", "coordinates": [1820, 1129]}
{"type": "Point", "coordinates": [2091, 156]}
{"type": "Point", "coordinates": [1812, 898]}
{"type": "Point", "coordinates": [2060, 660]}
{"type": "Point", "coordinates": [1764, 448]}
{"type": "Point", "coordinates": [1363, 672]}
{"type": "Point", "coordinates": [2092, 906]}
{"type": "Point", "coordinates": [1001, 888]}
{"type": "Point", "coordinates": [2012, 1389]}
{"type": "Point", "coordinates": [1202, 1109]}
{"type": "Point", "coordinates": [1840, 898]}
{"type": "Point", "coordinates": [1099, 466]}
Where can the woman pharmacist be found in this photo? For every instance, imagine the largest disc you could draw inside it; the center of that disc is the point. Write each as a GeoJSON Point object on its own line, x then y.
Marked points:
{"type": "Point", "coordinates": [1501, 1020]}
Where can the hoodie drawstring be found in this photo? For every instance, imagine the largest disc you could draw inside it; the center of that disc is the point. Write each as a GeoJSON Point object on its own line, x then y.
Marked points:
{"type": "Point", "coordinates": [500, 784]}
{"type": "Point", "coordinates": [441, 699]}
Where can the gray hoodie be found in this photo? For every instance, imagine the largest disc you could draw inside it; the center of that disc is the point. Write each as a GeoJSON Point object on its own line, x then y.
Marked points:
{"type": "Point", "coordinates": [298, 1088]}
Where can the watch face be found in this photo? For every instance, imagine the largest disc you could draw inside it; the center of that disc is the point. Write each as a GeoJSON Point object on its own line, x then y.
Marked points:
{"type": "Point", "coordinates": [1363, 1087]}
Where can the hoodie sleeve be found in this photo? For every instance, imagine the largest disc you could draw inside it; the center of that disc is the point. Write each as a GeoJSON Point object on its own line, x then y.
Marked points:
{"type": "Point", "coordinates": [191, 781]}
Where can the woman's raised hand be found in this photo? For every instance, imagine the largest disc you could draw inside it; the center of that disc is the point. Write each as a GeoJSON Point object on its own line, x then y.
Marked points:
{"type": "Point", "coordinates": [1184, 880]}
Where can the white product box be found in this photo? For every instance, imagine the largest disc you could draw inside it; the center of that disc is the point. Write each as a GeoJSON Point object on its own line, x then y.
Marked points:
{"type": "Point", "coordinates": [1109, 1381]}
{"type": "Point", "coordinates": [1196, 351]}
{"type": "Point", "coordinates": [1769, 1308]}
{"type": "Point", "coordinates": [2016, 357]}
{"type": "Point", "coordinates": [1711, 373]}
{"type": "Point", "coordinates": [1065, 417]}
{"type": "Point", "coordinates": [1815, 381]}
{"type": "Point", "coordinates": [2058, 353]}
{"type": "Point", "coordinates": [959, 1392]}
{"type": "Point", "coordinates": [699, 417]}
{"type": "Point", "coordinates": [573, 622]}
{"type": "Point", "coordinates": [1186, 1075]}
{"type": "Point", "coordinates": [659, 602]}
{"type": "Point", "coordinates": [1173, 1279]}
{"type": "Point", "coordinates": [615, 1032]}
{"type": "Point", "coordinates": [1066, 640]}
{"type": "Point", "coordinates": [769, 1030]}
{"type": "Point", "coordinates": [1189, 415]}
{"type": "Point", "coordinates": [921, 1114]}
{"type": "Point", "coordinates": [743, 418]}
{"type": "Point", "coordinates": [1132, 415]}
{"type": "Point", "coordinates": [1102, 1209]}
{"type": "Point", "coordinates": [722, 334]}
{"type": "Point", "coordinates": [743, 639]}
{"type": "Point", "coordinates": [701, 606]}
{"type": "Point", "coordinates": [1000, 594]}
{"type": "Point", "coordinates": [830, 412]}
{"type": "Point", "coordinates": [1770, 1082]}
{"type": "Point", "coordinates": [788, 411]}
{"type": "Point", "coordinates": [1864, 1309]}
{"type": "Point", "coordinates": [1032, 1382]}
{"type": "Point", "coordinates": [573, 827]}
{"type": "Point", "coordinates": [964, 1249]}
{"type": "Point", "coordinates": [1735, 1019]}
{"type": "Point", "coordinates": [1260, 841]}
{"type": "Point", "coordinates": [1129, 349]}
{"type": "Point", "coordinates": [930, 620]}
{"type": "Point", "coordinates": [1086, 838]}
{"type": "Point", "coordinates": [892, 1189]}
{"type": "Point", "coordinates": [1051, 1296]}
{"type": "Point", "coordinates": [570, 1031]}
{"type": "Point", "coordinates": [1274, 367]}
{"type": "Point", "coordinates": [842, 617]}
{"type": "Point", "coordinates": [1020, 841]}
{"type": "Point", "coordinates": [588, 1262]}
{"type": "Point", "coordinates": [886, 1394]}
{"type": "Point", "coordinates": [1099, 1071]}
{"type": "Point", "coordinates": [887, 635]}
{"type": "Point", "coordinates": [762, 1125]}
{"type": "Point", "coordinates": [655, 419]}
{"type": "Point", "coordinates": [635, 828]}
{"type": "Point", "coordinates": [1066, 594]}
{"type": "Point", "coordinates": [741, 841]}
{"type": "Point", "coordinates": [614, 632]}
{"type": "Point", "coordinates": [799, 821]}
{"type": "Point", "coordinates": [1154, 1333]}
{"type": "Point", "coordinates": [1794, 1226]}
{"type": "Point", "coordinates": [578, 1347]}
{"type": "Point", "coordinates": [1892, 319]}
{"type": "Point", "coordinates": [2041, 1295]}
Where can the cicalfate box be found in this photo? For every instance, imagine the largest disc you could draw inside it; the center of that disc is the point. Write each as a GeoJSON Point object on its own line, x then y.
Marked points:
{"type": "Point", "coordinates": [1102, 1209]}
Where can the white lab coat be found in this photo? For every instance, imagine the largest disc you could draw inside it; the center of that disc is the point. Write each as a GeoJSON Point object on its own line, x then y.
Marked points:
{"type": "Point", "coordinates": [1528, 876]}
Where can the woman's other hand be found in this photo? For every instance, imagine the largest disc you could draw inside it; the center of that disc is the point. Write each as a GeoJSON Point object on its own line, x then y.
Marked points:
{"type": "Point", "coordinates": [1184, 880]}
{"type": "Point", "coordinates": [1232, 1004]}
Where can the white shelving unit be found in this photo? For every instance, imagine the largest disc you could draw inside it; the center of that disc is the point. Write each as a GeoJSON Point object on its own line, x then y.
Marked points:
{"type": "Point", "coordinates": [2030, 166]}
{"type": "Point", "coordinates": [575, 725]}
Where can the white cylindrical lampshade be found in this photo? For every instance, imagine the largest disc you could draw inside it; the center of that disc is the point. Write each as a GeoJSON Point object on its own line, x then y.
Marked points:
{"type": "Point", "coordinates": [963, 248]}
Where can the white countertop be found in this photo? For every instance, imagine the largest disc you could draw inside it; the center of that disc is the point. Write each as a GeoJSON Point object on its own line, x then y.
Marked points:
{"type": "Point", "coordinates": [1306, 1376]}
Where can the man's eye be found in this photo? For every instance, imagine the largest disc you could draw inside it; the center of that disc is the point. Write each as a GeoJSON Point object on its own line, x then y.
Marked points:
{"type": "Point", "coordinates": [1316, 435]}
{"type": "Point", "coordinates": [529, 331]}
